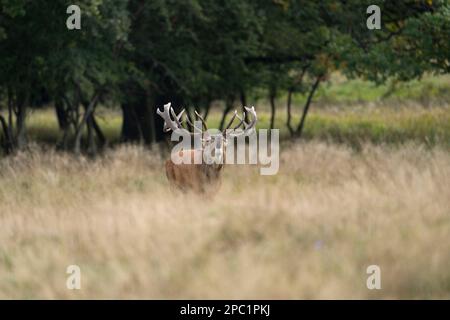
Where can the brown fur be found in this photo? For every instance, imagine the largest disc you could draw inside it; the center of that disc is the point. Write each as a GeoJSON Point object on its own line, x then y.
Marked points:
{"type": "Point", "coordinates": [200, 178]}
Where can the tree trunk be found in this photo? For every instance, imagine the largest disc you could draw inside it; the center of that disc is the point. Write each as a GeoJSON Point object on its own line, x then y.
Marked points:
{"type": "Point", "coordinates": [243, 97]}
{"type": "Point", "coordinates": [272, 96]}
{"type": "Point", "coordinates": [94, 131]}
{"type": "Point", "coordinates": [289, 112]}
{"type": "Point", "coordinates": [63, 122]}
{"type": "Point", "coordinates": [138, 121]}
{"type": "Point", "coordinates": [98, 132]}
{"type": "Point", "coordinates": [17, 105]}
{"type": "Point", "coordinates": [64, 143]}
{"type": "Point", "coordinates": [21, 139]}
{"type": "Point", "coordinates": [130, 126]}
{"type": "Point", "coordinates": [207, 109]}
{"type": "Point", "coordinates": [92, 147]}
{"type": "Point", "coordinates": [228, 107]}
{"type": "Point", "coordinates": [79, 132]}
{"type": "Point", "coordinates": [306, 107]}
{"type": "Point", "coordinates": [202, 105]}
{"type": "Point", "coordinates": [7, 144]}
{"type": "Point", "coordinates": [10, 117]}
{"type": "Point", "coordinates": [61, 114]}
{"type": "Point", "coordinates": [146, 121]}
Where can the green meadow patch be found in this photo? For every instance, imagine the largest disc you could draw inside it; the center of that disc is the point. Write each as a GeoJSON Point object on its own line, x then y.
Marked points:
{"type": "Point", "coordinates": [348, 125]}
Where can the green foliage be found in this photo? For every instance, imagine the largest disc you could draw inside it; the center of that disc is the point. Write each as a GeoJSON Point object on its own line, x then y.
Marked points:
{"type": "Point", "coordinates": [430, 90]}
{"type": "Point", "coordinates": [430, 128]}
{"type": "Point", "coordinates": [413, 40]}
{"type": "Point", "coordinates": [200, 50]}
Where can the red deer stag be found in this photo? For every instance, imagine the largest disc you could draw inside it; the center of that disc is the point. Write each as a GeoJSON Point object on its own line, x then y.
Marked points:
{"type": "Point", "coordinates": [203, 172]}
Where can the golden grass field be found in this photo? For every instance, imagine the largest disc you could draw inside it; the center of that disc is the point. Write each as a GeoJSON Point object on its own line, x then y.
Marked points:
{"type": "Point", "coordinates": [308, 232]}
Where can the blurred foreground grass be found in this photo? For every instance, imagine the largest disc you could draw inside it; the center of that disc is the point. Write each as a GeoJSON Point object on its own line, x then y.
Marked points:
{"type": "Point", "coordinates": [308, 232]}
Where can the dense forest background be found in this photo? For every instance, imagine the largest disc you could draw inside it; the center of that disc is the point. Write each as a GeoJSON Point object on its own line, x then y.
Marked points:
{"type": "Point", "coordinates": [138, 55]}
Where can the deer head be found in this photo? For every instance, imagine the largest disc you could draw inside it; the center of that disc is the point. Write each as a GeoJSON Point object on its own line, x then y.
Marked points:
{"type": "Point", "coordinates": [213, 143]}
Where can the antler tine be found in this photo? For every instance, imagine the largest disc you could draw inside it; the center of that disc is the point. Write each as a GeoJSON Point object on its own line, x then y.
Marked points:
{"type": "Point", "coordinates": [192, 125]}
{"type": "Point", "coordinates": [205, 127]}
{"type": "Point", "coordinates": [231, 121]}
{"type": "Point", "coordinates": [241, 122]}
{"type": "Point", "coordinates": [180, 114]}
{"type": "Point", "coordinates": [248, 127]}
{"type": "Point", "coordinates": [180, 119]}
{"type": "Point", "coordinates": [170, 124]}
{"type": "Point", "coordinates": [177, 118]}
{"type": "Point", "coordinates": [252, 124]}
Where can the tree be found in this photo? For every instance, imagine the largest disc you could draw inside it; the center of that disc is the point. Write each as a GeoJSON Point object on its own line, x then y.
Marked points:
{"type": "Point", "coordinates": [187, 53]}
{"type": "Point", "coordinates": [75, 67]}
{"type": "Point", "coordinates": [143, 54]}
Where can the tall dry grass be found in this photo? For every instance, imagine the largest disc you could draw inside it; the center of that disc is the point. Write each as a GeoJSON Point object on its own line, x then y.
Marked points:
{"type": "Point", "coordinates": [308, 232]}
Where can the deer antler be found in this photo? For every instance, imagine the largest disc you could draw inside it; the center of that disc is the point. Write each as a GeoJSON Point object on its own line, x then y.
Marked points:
{"type": "Point", "coordinates": [174, 122]}
{"type": "Point", "coordinates": [169, 123]}
{"type": "Point", "coordinates": [177, 122]}
{"type": "Point", "coordinates": [192, 125]}
{"type": "Point", "coordinates": [248, 127]}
